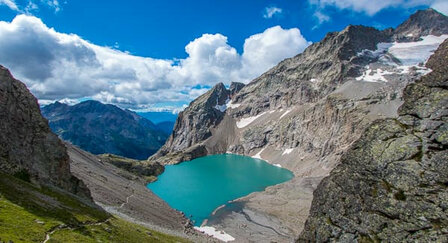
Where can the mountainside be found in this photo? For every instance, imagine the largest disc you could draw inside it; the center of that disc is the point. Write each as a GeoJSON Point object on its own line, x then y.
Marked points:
{"type": "Point", "coordinates": [304, 114]}
{"type": "Point", "coordinates": [28, 148]}
{"type": "Point", "coordinates": [100, 128]}
{"type": "Point", "coordinates": [392, 183]}
{"type": "Point", "coordinates": [40, 198]}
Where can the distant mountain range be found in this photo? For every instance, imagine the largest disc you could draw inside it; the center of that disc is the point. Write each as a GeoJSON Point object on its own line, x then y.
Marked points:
{"type": "Point", "coordinates": [100, 128]}
{"type": "Point", "coordinates": [158, 117]}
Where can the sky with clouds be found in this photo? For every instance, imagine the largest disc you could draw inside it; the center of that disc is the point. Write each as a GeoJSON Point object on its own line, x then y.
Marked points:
{"type": "Point", "coordinates": [156, 56]}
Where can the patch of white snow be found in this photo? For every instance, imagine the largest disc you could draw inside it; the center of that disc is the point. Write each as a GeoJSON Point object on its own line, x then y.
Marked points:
{"type": "Point", "coordinates": [220, 235]}
{"type": "Point", "coordinates": [287, 151]}
{"type": "Point", "coordinates": [248, 120]}
{"type": "Point", "coordinates": [374, 75]}
{"type": "Point", "coordinates": [231, 105]}
{"type": "Point", "coordinates": [413, 53]}
{"type": "Point", "coordinates": [221, 108]}
{"type": "Point", "coordinates": [284, 114]}
{"type": "Point", "coordinates": [258, 155]}
{"type": "Point", "coordinates": [278, 165]}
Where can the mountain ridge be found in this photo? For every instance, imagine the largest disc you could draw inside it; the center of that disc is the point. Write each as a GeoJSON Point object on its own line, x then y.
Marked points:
{"type": "Point", "coordinates": [104, 128]}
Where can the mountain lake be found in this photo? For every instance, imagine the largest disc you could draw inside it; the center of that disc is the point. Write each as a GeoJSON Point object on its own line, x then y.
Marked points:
{"type": "Point", "coordinates": [199, 186]}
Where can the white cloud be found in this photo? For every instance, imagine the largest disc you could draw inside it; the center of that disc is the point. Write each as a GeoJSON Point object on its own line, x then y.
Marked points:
{"type": "Point", "coordinates": [54, 4]}
{"type": "Point", "coordinates": [321, 17]}
{"type": "Point", "coordinates": [10, 3]}
{"type": "Point", "coordinates": [269, 12]}
{"type": "Point", "coordinates": [370, 7]}
{"type": "Point", "coordinates": [263, 50]}
{"type": "Point", "coordinates": [64, 66]}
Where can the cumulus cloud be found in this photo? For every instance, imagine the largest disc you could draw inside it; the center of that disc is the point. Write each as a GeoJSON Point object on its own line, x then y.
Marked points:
{"type": "Point", "coordinates": [263, 50]}
{"type": "Point", "coordinates": [10, 4]}
{"type": "Point", "coordinates": [59, 66]}
{"type": "Point", "coordinates": [269, 12]}
{"type": "Point", "coordinates": [370, 7]}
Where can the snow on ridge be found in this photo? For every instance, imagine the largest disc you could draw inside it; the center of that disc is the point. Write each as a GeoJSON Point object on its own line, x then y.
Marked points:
{"type": "Point", "coordinates": [409, 55]}
{"type": "Point", "coordinates": [248, 120]}
{"type": "Point", "coordinates": [413, 53]}
{"type": "Point", "coordinates": [220, 235]}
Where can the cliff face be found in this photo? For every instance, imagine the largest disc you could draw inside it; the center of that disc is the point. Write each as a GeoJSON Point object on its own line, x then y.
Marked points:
{"type": "Point", "coordinates": [28, 148]}
{"type": "Point", "coordinates": [194, 125]}
{"type": "Point", "coordinates": [391, 184]}
{"type": "Point", "coordinates": [100, 128]}
{"type": "Point", "coordinates": [305, 113]}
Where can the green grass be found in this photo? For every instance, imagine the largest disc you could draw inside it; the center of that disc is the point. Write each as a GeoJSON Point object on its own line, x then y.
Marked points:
{"type": "Point", "coordinates": [28, 213]}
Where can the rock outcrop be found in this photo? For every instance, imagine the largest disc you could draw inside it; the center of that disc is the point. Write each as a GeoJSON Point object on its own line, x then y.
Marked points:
{"type": "Point", "coordinates": [422, 23]}
{"type": "Point", "coordinates": [193, 125]}
{"type": "Point", "coordinates": [28, 148]}
{"type": "Point", "coordinates": [392, 183]}
{"type": "Point", "coordinates": [100, 128]}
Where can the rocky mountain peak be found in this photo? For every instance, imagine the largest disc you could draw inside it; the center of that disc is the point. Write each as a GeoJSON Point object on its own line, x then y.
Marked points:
{"type": "Point", "coordinates": [216, 96]}
{"type": "Point", "coordinates": [235, 87]}
{"type": "Point", "coordinates": [28, 148]}
{"type": "Point", "coordinates": [422, 23]}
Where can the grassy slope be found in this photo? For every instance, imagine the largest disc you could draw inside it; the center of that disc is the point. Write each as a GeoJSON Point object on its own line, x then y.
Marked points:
{"type": "Point", "coordinates": [28, 213]}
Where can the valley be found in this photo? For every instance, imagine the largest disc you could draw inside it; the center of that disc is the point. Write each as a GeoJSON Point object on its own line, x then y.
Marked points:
{"type": "Point", "coordinates": [344, 141]}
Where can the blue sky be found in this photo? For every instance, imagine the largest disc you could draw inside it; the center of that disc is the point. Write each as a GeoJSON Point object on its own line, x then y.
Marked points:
{"type": "Point", "coordinates": [163, 54]}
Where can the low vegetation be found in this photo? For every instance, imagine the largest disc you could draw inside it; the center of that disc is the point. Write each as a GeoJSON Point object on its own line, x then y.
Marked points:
{"type": "Point", "coordinates": [145, 169]}
{"type": "Point", "coordinates": [32, 214]}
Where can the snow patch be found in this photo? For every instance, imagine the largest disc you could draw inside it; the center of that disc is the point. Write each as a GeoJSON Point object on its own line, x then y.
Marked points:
{"type": "Point", "coordinates": [413, 53]}
{"type": "Point", "coordinates": [248, 120]}
{"type": "Point", "coordinates": [278, 165]}
{"type": "Point", "coordinates": [220, 235]}
{"type": "Point", "coordinates": [221, 108]}
{"type": "Point", "coordinates": [402, 56]}
{"type": "Point", "coordinates": [313, 80]}
{"type": "Point", "coordinates": [258, 155]}
{"type": "Point", "coordinates": [286, 113]}
{"type": "Point", "coordinates": [371, 75]}
{"type": "Point", "coordinates": [287, 151]}
{"type": "Point", "coordinates": [232, 106]}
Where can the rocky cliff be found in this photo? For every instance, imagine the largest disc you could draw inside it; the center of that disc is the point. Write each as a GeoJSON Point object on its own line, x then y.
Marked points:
{"type": "Point", "coordinates": [100, 128]}
{"type": "Point", "coordinates": [392, 183]}
{"type": "Point", "coordinates": [194, 125]}
{"type": "Point", "coordinates": [304, 113]}
{"type": "Point", "coordinates": [28, 148]}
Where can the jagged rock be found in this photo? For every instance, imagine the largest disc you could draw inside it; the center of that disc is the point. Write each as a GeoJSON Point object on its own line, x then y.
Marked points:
{"type": "Point", "coordinates": [193, 125]}
{"type": "Point", "coordinates": [422, 23]}
{"type": "Point", "coordinates": [28, 148]}
{"type": "Point", "coordinates": [100, 128]}
{"type": "Point", "coordinates": [235, 87]}
{"type": "Point", "coordinates": [392, 184]}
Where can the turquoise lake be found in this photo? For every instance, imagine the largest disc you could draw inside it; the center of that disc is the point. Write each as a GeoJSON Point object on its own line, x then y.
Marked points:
{"type": "Point", "coordinates": [199, 186]}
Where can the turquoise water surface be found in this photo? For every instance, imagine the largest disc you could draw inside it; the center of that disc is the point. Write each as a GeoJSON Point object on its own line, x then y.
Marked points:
{"type": "Point", "coordinates": [199, 186]}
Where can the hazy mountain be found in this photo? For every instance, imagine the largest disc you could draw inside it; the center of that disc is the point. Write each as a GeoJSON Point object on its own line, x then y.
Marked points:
{"type": "Point", "coordinates": [100, 128]}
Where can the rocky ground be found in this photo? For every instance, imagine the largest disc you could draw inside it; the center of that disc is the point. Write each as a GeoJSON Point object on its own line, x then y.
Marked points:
{"type": "Point", "coordinates": [124, 194]}
{"type": "Point", "coordinates": [392, 183]}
